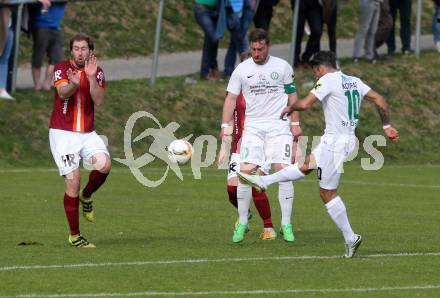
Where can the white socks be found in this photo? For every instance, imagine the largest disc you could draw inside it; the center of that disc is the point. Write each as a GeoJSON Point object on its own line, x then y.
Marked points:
{"type": "Point", "coordinates": [338, 213]}
{"type": "Point", "coordinates": [290, 173]}
{"type": "Point", "coordinates": [285, 197]}
{"type": "Point", "coordinates": [244, 197]}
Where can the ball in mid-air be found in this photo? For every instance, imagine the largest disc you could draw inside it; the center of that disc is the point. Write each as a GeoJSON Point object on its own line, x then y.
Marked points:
{"type": "Point", "coordinates": [180, 151]}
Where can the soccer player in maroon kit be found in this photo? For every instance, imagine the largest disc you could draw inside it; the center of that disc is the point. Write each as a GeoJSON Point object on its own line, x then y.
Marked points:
{"type": "Point", "coordinates": [80, 86]}
{"type": "Point", "coordinates": [260, 198]}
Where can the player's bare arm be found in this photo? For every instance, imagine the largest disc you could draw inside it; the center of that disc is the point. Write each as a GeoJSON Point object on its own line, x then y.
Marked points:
{"type": "Point", "coordinates": [295, 127]}
{"type": "Point", "coordinates": [66, 90]}
{"type": "Point", "coordinates": [382, 109]}
{"type": "Point", "coordinates": [91, 69]}
{"type": "Point", "coordinates": [299, 105]}
{"type": "Point", "coordinates": [228, 113]}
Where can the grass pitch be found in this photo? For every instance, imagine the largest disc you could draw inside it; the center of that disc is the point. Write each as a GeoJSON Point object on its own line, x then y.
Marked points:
{"type": "Point", "coordinates": [176, 239]}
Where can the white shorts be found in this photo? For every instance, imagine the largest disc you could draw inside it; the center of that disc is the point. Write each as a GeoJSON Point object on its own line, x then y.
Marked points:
{"type": "Point", "coordinates": [68, 148]}
{"type": "Point", "coordinates": [330, 155]}
{"type": "Point", "coordinates": [267, 143]}
{"type": "Point", "coordinates": [234, 166]}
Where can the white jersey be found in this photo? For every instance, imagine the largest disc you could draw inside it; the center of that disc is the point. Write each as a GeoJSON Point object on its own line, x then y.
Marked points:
{"type": "Point", "coordinates": [264, 87]}
{"type": "Point", "coordinates": [341, 96]}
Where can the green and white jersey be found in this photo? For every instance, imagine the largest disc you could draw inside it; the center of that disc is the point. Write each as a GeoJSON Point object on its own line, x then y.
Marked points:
{"type": "Point", "coordinates": [265, 87]}
{"type": "Point", "coordinates": [341, 96]}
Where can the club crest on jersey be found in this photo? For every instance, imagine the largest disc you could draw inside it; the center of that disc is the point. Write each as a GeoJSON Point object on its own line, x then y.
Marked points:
{"type": "Point", "coordinates": [316, 86]}
{"type": "Point", "coordinates": [274, 75]}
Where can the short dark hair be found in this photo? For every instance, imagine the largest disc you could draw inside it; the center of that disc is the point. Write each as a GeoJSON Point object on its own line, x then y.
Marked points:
{"type": "Point", "coordinates": [326, 58]}
{"type": "Point", "coordinates": [81, 37]}
{"type": "Point", "coordinates": [259, 34]}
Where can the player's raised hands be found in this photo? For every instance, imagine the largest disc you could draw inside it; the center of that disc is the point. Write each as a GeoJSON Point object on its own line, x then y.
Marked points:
{"type": "Point", "coordinates": [91, 66]}
{"type": "Point", "coordinates": [74, 76]}
{"type": "Point", "coordinates": [392, 133]}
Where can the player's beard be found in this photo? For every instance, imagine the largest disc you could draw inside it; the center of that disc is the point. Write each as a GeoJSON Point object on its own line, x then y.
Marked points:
{"type": "Point", "coordinates": [80, 63]}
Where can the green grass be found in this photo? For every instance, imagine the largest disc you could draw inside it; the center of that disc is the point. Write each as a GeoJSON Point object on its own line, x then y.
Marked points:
{"type": "Point", "coordinates": [127, 28]}
{"type": "Point", "coordinates": [395, 209]}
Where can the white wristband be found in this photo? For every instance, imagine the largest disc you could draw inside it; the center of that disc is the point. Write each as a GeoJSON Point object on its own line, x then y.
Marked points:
{"type": "Point", "coordinates": [294, 123]}
{"type": "Point", "coordinates": [224, 125]}
{"type": "Point", "coordinates": [386, 126]}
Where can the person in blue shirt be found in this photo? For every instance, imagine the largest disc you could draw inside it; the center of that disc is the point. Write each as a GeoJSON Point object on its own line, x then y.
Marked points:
{"type": "Point", "coordinates": [45, 21]}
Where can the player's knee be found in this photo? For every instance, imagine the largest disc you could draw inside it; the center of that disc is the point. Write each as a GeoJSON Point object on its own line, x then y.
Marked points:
{"type": "Point", "coordinates": [72, 182]}
{"type": "Point", "coordinates": [108, 164]}
{"type": "Point", "coordinates": [233, 181]}
{"type": "Point", "coordinates": [101, 162]}
{"type": "Point", "coordinates": [248, 168]}
{"type": "Point", "coordinates": [278, 166]}
{"type": "Point", "coordinates": [327, 194]}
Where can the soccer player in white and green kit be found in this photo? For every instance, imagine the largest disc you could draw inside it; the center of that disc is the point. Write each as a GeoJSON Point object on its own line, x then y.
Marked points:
{"type": "Point", "coordinates": [267, 84]}
{"type": "Point", "coordinates": [341, 96]}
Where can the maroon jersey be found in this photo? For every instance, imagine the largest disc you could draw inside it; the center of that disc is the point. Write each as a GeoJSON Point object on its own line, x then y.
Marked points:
{"type": "Point", "coordinates": [75, 113]}
{"type": "Point", "coordinates": [240, 109]}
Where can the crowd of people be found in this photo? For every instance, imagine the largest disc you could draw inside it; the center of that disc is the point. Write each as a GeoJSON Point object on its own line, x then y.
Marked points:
{"type": "Point", "coordinates": [44, 25]}
{"type": "Point", "coordinates": [376, 26]}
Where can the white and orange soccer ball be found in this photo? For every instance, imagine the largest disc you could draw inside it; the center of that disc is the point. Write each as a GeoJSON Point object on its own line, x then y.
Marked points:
{"type": "Point", "coordinates": [180, 151]}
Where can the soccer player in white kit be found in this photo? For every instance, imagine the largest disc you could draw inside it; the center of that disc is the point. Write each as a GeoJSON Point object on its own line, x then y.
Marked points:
{"type": "Point", "coordinates": [267, 84]}
{"type": "Point", "coordinates": [341, 96]}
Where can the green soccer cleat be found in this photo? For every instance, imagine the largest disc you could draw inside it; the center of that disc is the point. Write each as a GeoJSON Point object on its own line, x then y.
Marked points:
{"type": "Point", "coordinates": [249, 218]}
{"type": "Point", "coordinates": [239, 232]}
{"type": "Point", "coordinates": [80, 241]}
{"type": "Point", "coordinates": [87, 208]}
{"type": "Point", "coordinates": [287, 232]}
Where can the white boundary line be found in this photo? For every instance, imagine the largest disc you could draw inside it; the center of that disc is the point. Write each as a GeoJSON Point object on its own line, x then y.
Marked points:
{"type": "Point", "coordinates": [204, 261]}
{"type": "Point", "coordinates": [233, 293]}
{"type": "Point", "coordinates": [157, 170]}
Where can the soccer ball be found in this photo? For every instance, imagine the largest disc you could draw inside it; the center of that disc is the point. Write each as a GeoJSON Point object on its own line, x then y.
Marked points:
{"type": "Point", "coordinates": [180, 151]}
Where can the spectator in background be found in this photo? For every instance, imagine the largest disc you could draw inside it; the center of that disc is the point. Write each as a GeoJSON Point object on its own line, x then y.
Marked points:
{"type": "Point", "coordinates": [45, 25]}
{"type": "Point", "coordinates": [369, 11]}
{"type": "Point", "coordinates": [436, 25]}
{"type": "Point", "coordinates": [385, 25]}
{"type": "Point", "coordinates": [239, 17]}
{"type": "Point", "coordinates": [206, 15]}
{"type": "Point", "coordinates": [6, 41]}
{"type": "Point", "coordinates": [404, 7]}
{"type": "Point", "coordinates": [264, 13]}
{"type": "Point", "coordinates": [330, 16]}
{"type": "Point", "coordinates": [311, 11]}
